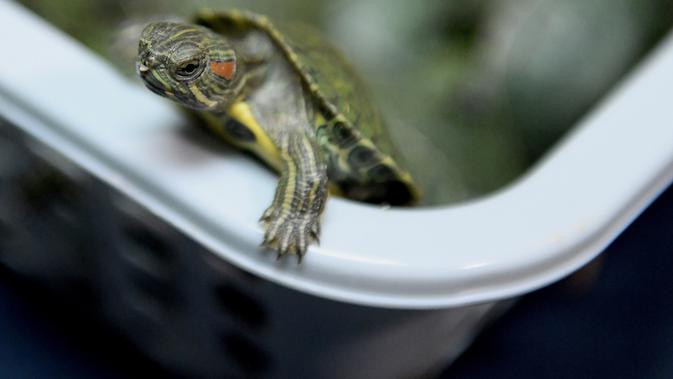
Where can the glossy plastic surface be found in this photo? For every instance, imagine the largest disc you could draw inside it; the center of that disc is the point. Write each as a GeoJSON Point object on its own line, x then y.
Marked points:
{"type": "Point", "coordinates": [544, 226]}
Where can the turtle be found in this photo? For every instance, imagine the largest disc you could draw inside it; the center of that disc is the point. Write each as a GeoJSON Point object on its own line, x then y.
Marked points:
{"type": "Point", "coordinates": [285, 94]}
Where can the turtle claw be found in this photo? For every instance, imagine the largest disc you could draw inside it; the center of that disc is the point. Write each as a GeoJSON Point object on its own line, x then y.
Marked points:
{"type": "Point", "coordinates": [266, 216]}
{"type": "Point", "coordinates": [289, 234]}
{"type": "Point", "coordinates": [315, 233]}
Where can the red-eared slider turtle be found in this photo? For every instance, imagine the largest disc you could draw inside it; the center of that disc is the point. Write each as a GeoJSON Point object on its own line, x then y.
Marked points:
{"type": "Point", "coordinates": [287, 96]}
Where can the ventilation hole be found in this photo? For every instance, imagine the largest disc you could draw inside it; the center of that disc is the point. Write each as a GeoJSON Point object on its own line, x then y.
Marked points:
{"type": "Point", "coordinates": [240, 305]}
{"type": "Point", "coordinates": [163, 292]}
{"type": "Point", "coordinates": [151, 267]}
{"type": "Point", "coordinates": [226, 270]}
{"type": "Point", "coordinates": [46, 187]}
{"type": "Point", "coordinates": [246, 354]}
{"type": "Point", "coordinates": [151, 243]}
{"type": "Point", "coordinates": [143, 316]}
{"type": "Point", "coordinates": [148, 251]}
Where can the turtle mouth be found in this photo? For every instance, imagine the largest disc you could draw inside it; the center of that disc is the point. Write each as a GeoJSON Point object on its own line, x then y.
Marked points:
{"type": "Point", "coordinates": [181, 99]}
{"type": "Point", "coordinates": [152, 83]}
{"type": "Point", "coordinates": [157, 86]}
{"type": "Point", "coordinates": [156, 89]}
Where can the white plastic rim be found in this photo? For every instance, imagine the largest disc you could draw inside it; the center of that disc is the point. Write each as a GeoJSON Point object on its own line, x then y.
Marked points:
{"type": "Point", "coordinates": [549, 223]}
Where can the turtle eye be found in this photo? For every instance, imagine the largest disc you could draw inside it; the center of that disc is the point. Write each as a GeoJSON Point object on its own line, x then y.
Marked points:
{"type": "Point", "coordinates": [188, 70]}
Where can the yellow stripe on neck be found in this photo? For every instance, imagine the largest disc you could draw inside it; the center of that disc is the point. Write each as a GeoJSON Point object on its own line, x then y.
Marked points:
{"type": "Point", "coordinates": [263, 146]}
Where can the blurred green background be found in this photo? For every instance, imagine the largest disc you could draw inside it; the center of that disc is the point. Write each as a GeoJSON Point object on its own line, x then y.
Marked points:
{"type": "Point", "coordinates": [474, 91]}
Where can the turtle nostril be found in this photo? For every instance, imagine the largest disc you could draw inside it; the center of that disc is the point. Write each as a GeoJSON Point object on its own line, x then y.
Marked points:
{"type": "Point", "coordinates": [152, 61]}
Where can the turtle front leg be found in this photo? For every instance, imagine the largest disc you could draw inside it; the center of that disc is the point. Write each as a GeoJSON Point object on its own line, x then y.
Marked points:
{"type": "Point", "coordinates": [292, 222]}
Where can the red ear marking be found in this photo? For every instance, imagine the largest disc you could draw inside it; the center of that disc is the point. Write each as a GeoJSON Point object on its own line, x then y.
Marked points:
{"type": "Point", "coordinates": [224, 69]}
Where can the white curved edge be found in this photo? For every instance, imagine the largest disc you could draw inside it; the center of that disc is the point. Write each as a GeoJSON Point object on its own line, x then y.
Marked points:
{"type": "Point", "coordinates": [546, 225]}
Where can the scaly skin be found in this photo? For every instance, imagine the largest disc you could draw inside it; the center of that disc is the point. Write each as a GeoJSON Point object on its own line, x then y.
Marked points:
{"type": "Point", "coordinates": [286, 95]}
{"type": "Point", "coordinates": [202, 71]}
{"type": "Point", "coordinates": [292, 220]}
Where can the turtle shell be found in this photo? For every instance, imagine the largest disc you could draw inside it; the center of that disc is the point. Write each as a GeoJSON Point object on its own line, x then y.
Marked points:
{"type": "Point", "coordinates": [349, 127]}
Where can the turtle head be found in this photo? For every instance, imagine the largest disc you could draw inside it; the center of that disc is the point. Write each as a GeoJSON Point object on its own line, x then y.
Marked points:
{"type": "Point", "coordinates": [189, 64]}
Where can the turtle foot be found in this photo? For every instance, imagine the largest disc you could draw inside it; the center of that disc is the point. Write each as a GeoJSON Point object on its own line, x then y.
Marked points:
{"type": "Point", "coordinates": [290, 233]}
